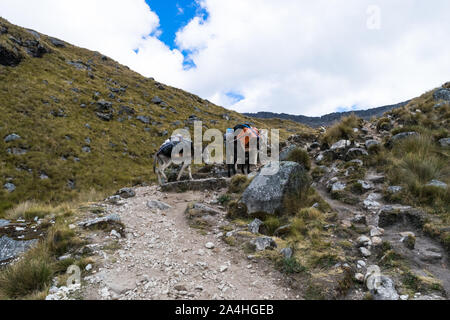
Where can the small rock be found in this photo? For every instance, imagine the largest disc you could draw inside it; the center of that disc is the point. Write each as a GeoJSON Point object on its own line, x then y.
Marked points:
{"type": "Point", "coordinates": [445, 142]}
{"type": "Point", "coordinates": [338, 186]}
{"type": "Point", "coordinates": [365, 252]}
{"type": "Point", "coordinates": [210, 245]}
{"type": "Point", "coordinates": [359, 219]}
{"type": "Point", "coordinates": [364, 241]}
{"type": "Point", "coordinates": [371, 143]}
{"type": "Point", "coordinates": [10, 187]}
{"type": "Point", "coordinates": [361, 264]}
{"type": "Point", "coordinates": [155, 204]}
{"type": "Point", "coordinates": [359, 277]}
{"type": "Point", "coordinates": [126, 193]}
{"type": "Point", "coordinates": [223, 269]}
{"type": "Point", "coordinates": [115, 234]}
{"type": "Point", "coordinates": [437, 184]}
{"type": "Point", "coordinates": [12, 137]}
{"type": "Point", "coordinates": [376, 232]}
{"type": "Point", "coordinates": [377, 241]}
{"type": "Point", "coordinates": [254, 226]}
{"type": "Point", "coordinates": [263, 243]}
{"type": "Point", "coordinates": [88, 267]}
{"type": "Point", "coordinates": [430, 255]}
{"type": "Point", "coordinates": [287, 253]}
{"type": "Point", "coordinates": [355, 153]}
{"type": "Point", "coordinates": [394, 189]}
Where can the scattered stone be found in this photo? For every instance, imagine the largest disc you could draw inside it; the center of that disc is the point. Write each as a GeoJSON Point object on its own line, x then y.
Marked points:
{"type": "Point", "coordinates": [210, 245]}
{"type": "Point", "coordinates": [143, 119]}
{"type": "Point", "coordinates": [264, 243]}
{"type": "Point", "coordinates": [57, 43]}
{"type": "Point", "coordinates": [62, 293]}
{"type": "Point", "coordinates": [359, 219]}
{"type": "Point", "coordinates": [12, 137]}
{"type": "Point", "coordinates": [115, 234]}
{"type": "Point", "coordinates": [437, 184]}
{"type": "Point", "coordinates": [430, 255]}
{"type": "Point", "coordinates": [88, 267]}
{"type": "Point", "coordinates": [402, 136]}
{"type": "Point", "coordinates": [364, 241]}
{"type": "Point", "coordinates": [366, 185]}
{"type": "Point", "coordinates": [361, 264]}
{"type": "Point", "coordinates": [206, 209]}
{"type": "Point", "coordinates": [365, 252]}
{"type": "Point", "coordinates": [283, 230]}
{"type": "Point", "coordinates": [371, 143]}
{"type": "Point", "coordinates": [10, 187]}
{"type": "Point", "coordinates": [394, 189]}
{"type": "Point", "coordinates": [126, 193]}
{"type": "Point", "coordinates": [338, 186]}
{"type": "Point", "coordinates": [377, 241]}
{"type": "Point", "coordinates": [341, 145]}
{"type": "Point", "coordinates": [9, 248]}
{"type": "Point", "coordinates": [384, 288]}
{"type": "Point", "coordinates": [158, 205]}
{"type": "Point", "coordinates": [223, 269]}
{"type": "Point", "coordinates": [253, 227]}
{"type": "Point", "coordinates": [112, 218]}
{"type": "Point", "coordinates": [286, 253]}
{"type": "Point", "coordinates": [445, 142]}
{"type": "Point", "coordinates": [157, 100]}
{"type": "Point", "coordinates": [355, 153]}
{"type": "Point", "coordinates": [359, 277]}
{"type": "Point", "coordinates": [376, 232]}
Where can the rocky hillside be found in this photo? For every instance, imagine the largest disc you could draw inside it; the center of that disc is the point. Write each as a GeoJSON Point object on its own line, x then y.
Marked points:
{"type": "Point", "coordinates": [73, 120]}
{"type": "Point", "coordinates": [329, 119]}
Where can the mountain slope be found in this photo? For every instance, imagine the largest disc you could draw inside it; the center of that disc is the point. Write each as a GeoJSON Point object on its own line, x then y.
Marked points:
{"type": "Point", "coordinates": [85, 121]}
{"type": "Point", "coordinates": [328, 119]}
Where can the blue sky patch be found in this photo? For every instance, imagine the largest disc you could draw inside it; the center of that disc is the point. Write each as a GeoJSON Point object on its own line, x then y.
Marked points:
{"type": "Point", "coordinates": [236, 97]}
{"type": "Point", "coordinates": [173, 16]}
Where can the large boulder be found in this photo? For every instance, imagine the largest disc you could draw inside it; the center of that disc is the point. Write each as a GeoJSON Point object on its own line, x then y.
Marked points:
{"type": "Point", "coordinates": [442, 94]}
{"type": "Point", "coordinates": [267, 192]}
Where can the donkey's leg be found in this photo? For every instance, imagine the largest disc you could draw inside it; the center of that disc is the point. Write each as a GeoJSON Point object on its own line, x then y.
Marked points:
{"type": "Point", "coordinates": [166, 165]}
{"type": "Point", "coordinates": [190, 173]}
{"type": "Point", "coordinates": [182, 171]}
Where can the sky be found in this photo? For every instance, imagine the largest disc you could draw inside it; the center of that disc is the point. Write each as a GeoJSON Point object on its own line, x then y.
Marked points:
{"type": "Point", "coordinates": [292, 56]}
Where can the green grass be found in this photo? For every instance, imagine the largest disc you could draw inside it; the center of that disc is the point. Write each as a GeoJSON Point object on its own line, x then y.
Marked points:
{"type": "Point", "coordinates": [342, 130]}
{"type": "Point", "coordinates": [301, 157]}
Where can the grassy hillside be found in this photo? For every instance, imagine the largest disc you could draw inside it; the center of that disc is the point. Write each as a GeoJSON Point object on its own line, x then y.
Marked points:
{"type": "Point", "coordinates": [84, 120]}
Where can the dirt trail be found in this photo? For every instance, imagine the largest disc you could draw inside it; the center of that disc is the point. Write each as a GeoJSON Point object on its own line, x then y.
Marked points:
{"type": "Point", "coordinates": [163, 258]}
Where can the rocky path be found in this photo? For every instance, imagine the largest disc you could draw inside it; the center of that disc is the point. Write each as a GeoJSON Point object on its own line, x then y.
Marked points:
{"type": "Point", "coordinates": [427, 258]}
{"type": "Point", "coordinates": [162, 257]}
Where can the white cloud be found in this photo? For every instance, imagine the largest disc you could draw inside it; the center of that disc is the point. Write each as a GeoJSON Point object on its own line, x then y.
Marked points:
{"type": "Point", "coordinates": [302, 57]}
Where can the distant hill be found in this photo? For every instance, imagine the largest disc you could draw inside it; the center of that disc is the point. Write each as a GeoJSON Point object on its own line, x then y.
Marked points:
{"type": "Point", "coordinates": [328, 119]}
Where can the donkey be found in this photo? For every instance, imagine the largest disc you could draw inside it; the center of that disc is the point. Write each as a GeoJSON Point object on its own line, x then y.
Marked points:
{"type": "Point", "coordinates": [164, 159]}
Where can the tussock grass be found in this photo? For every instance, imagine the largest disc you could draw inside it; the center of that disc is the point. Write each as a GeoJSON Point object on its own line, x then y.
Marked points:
{"type": "Point", "coordinates": [342, 130]}
{"type": "Point", "coordinates": [300, 156]}
{"type": "Point", "coordinates": [238, 184]}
